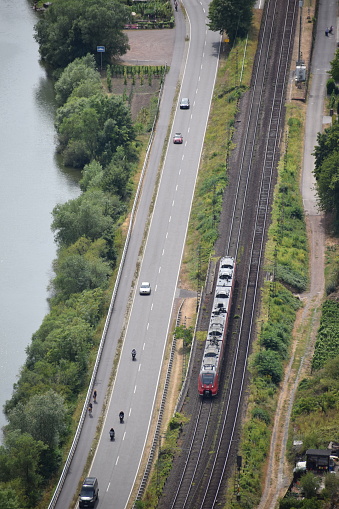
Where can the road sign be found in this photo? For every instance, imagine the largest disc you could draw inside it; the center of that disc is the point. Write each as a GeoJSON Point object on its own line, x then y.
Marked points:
{"type": "Point", "coordinates": [101, 49]}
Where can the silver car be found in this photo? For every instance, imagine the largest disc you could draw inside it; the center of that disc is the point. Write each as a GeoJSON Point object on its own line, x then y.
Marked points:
{"type": "Point", "coordinates": [145, 288]}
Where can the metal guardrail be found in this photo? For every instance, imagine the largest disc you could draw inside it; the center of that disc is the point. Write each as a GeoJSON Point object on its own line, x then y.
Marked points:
{"type": "Point", "coordinates": [71, 453]}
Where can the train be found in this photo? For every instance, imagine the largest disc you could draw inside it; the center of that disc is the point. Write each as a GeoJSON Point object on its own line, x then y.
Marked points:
{"type": "Point", "coordinates": [209, 375]}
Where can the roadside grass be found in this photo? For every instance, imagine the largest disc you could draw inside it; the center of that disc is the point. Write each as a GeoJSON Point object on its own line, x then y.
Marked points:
{"type": "Point", "coordinates": [167, 450]}
{"type": "Point", "coordinates": [233, 79]}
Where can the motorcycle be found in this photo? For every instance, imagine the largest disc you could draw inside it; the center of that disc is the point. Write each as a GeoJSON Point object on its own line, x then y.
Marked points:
{"type": "Point", "coordinates": [112, 434]}
{"type": "Point", "coordinates": [134, 353]}
{"type": "Point", "coordinates": [121, 417]}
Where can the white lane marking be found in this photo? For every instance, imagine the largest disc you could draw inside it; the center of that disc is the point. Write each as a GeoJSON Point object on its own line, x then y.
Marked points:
{"type": "Point", "coordinates": [108, 486]}
{"type": "Point", "coordinates": [147, 326]}
{"type": "Point", "coordinates": [179, 174]}
{"type": "Point", "coordinates": [135, 389]}
{"type": "Point", "coordinates": [176, 187]}
{"type": "Point", "coordinates": [130, 411]}
{"type": "Point", "coordinates": [203, 54]}
{"type": "Point", "coordinates": [117, 460]}
{"type": "Point", "coordinates": [183, 156]}
{"type": "Point", "coordinates": [139, 368]}
{"type": "Point", "coordinates": [172, 206]}
{"type": "Point", "coordinates": [185, 143]}
{"type": "Point", "coordinates": [163, 251]}
{"type": "Point", "coordinates": [189, 129]}
{"type": "Point", "coordinates": [143, 346]}
{"type": "Point", "coordinates": [124, 436]}
{"type": "Point", "coordinates": [170, 219]}
{"type": "Point", "coordinates": [156, 286]}
{"type": "Point", "coordinates": [152, 306]}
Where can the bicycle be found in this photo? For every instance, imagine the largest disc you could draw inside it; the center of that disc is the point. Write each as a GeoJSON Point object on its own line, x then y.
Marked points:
{"type": "Point", "coordinates": [95, 396]}
{"type": "Point", "coordinates": [90, 409]}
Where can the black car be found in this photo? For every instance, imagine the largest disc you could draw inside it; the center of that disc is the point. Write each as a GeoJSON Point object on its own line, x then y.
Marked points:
{"type": "Point", "coordinates": [184, 103]}
{"type": "Point", "coordinates": [89, 493]}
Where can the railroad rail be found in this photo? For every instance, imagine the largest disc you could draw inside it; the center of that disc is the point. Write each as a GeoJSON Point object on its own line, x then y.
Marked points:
{"type": "Point", "coordinates": [199, 476]}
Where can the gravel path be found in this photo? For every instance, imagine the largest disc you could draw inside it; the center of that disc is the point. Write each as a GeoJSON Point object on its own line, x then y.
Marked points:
{"type": "Point", "coordinates": [149, 47]}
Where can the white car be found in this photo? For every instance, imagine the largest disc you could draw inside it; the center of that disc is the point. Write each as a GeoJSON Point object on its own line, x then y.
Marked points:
{"type": "Point", "coordinates": [145, 288]}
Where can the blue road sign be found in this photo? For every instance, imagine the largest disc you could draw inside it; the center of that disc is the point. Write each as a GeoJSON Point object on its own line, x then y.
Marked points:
{"type": "Point", "coordinates": [101, 49]}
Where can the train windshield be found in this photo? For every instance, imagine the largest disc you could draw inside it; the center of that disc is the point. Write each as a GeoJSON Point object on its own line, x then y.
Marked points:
{"type": "Point", "coordinates": [207, 378]}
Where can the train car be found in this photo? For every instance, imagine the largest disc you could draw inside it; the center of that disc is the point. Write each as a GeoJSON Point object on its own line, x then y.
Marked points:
{"type": "Point", "coordinates": [208, 380]}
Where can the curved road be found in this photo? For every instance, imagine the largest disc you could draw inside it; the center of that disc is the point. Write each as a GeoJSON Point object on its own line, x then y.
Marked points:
{"type": "Point", "coordinates": [116, 464]}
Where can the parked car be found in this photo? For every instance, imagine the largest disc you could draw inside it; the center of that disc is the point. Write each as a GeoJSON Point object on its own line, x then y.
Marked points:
{"type": "Point", "coordinates": [185, 103]}
{"type": "Point", "coordinates": [178, 138]}
{"type": "Point", "coordinates": [145, 288]}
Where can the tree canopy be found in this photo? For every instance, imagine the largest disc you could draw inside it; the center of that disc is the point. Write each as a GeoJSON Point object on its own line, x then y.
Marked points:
{"type": "Point", "coordinates": [334, 71]}
{"type": "Point", "coordinates": [231, 16]}
{"type": "Point", "coordinates": [326, 169]}
{"type": "Point", "coordinates": [69, 30]}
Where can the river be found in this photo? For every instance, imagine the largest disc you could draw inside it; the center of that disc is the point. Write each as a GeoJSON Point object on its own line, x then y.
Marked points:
{"type": "Point", "coordinates": [32, 183]}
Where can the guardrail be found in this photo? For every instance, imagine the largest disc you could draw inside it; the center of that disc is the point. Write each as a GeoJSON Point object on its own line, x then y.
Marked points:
{"type": "Point", "coordinates": [71, 453]}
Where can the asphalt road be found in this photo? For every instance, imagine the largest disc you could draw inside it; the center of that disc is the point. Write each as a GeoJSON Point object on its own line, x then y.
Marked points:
{"type": "Point", "coordinates": [116, 463]}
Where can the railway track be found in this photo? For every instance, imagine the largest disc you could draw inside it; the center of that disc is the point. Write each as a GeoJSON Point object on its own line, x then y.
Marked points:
{"type": "Point", "coordinates": [209, 450]}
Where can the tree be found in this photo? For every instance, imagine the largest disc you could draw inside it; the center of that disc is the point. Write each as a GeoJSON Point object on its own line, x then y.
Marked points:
{"type": "Point", "coordinates": [268, 364]}
{"type": "Point", "coordinates": [9, 499]}
{"type": "Point", "coordinates": [310, 484]}
{"type": "Point", "coordinates": [327, 183]}
{"type": "Point", "coordinates": [89, 215]}
{"type": "Point", "coordinates": [334, 72]}
{"type": "Point", "coordinates": [328, 142]}
{"type": "Point", "coordinates": [76, 274]}
{"type": "Point", "coordinates": [43, 417]}
{"type": "Point", "coordinates": [70, 30]}
{"type": "Point", "coordinates": [21, 459]}
{"type": "Point", "coordinates": [80, 78]}
{"type": "Point", "coordinates": [231, 16]}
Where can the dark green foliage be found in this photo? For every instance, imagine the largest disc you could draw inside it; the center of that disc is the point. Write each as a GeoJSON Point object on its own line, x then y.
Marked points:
{"type": "Point", "coordinates": [327, 169]}
{"type": "Point", "coordinates": [89, 215]}
{"type": "Point", "coordinates": [261, 414]}
{"type": "Point", "coordinates": [20, 462]}
{"type": "Point", "coordinates": [268, 365]}
{"type": "Point", "coordinates": [334, 72]}
{"type": "Point", "coordinates": [80, 78]}
{"type": "Point", "coordinates": [76, 274]}
{"type": "Point", "coordinates": [292, 503]}
{"type": "Point", "coordinates": [8, 498]}
{"type": "Point", "coordinates": [93, 128]}
{"type": "Point", "coordinates": [292, 278]}
{"type": "Point", "coordinates": [232, 16]}
{"type": "Point", "coordinates": [327, 344]}
{"type": "Point", "coordinates": [330, 86]}
{"type": "Point", "coordinates": [70, 30]}
{"type": "Point", "coordinates": [310, 484]}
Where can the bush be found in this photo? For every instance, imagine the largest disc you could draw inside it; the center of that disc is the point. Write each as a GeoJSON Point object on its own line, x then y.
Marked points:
{"type": "Point", "coordinates": [330, 86]}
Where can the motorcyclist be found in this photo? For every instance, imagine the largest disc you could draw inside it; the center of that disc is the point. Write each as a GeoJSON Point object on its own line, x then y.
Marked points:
{"type": "Point", "coordinates": [121, 416]}
{"type": "Point", "coordinates": [112, 433]}
{"type": "Point", "coordinates": [134, 353]}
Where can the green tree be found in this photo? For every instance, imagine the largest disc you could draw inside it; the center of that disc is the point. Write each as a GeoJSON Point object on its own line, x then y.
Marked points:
{"type": "Point", "coordinates": [268, 364]}
{"type": "Point", "coordinates": [76, 274]}
{"type": "Point", "coordinates": [20, 461]}
{"type": "Point", "coordinates": [90, 215]}
{"type": "Point", "coordinates": [43, 417]}
{"type": "Point", "coordinates": [231, 16]}
{"type": "Point", "coordinates": [79, 75]}
{"type": "Point", "coordinates": [310, 484]}
{"type": "Point", "coordinates": [70, 30]}
{"type": "Point", "coordinates": [334, 71]}
{"type": "Point", "coordinates": [328, 142]}
{"type": "Point", "coordinates": [92, 176]}
{"type": "Point", "coordinates": [327, 183]}
{"type": "Point", "coordinates": [9, 499]}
